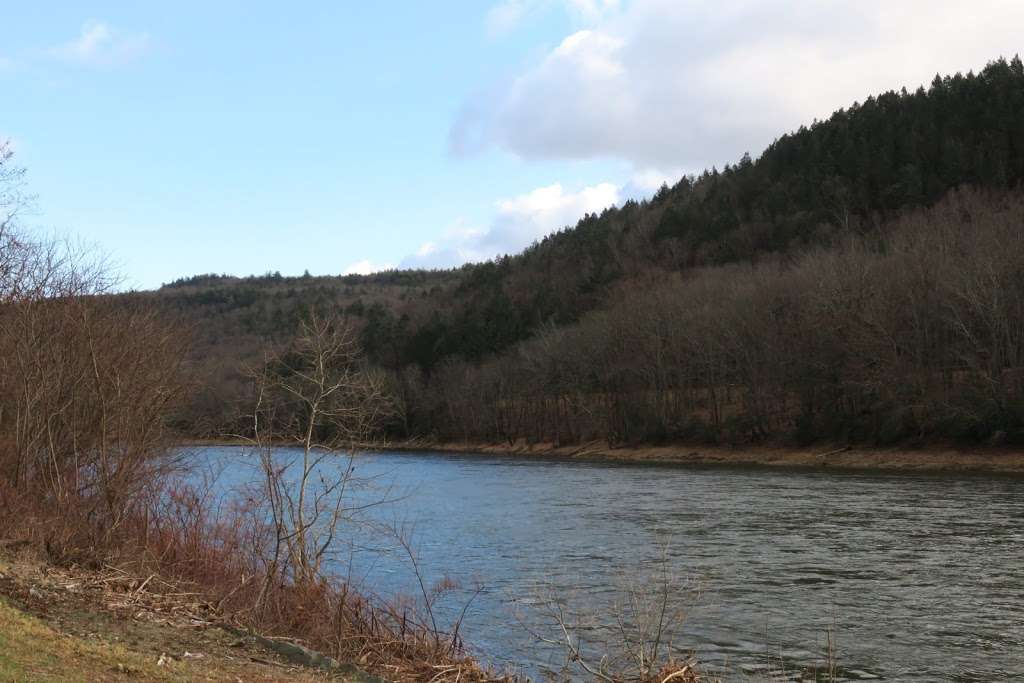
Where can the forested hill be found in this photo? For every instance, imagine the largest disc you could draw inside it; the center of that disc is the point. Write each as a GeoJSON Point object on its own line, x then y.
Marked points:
{"type": "Point", "coordinates": [863, 167]}
{"type": "Point", "coordinates": [864, 164]}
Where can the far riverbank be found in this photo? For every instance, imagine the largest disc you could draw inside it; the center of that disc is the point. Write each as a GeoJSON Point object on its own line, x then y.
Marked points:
{"type": "Point", "coordinates": [936, 458]}
{"type": "Point", "coordinates": [926, 459]}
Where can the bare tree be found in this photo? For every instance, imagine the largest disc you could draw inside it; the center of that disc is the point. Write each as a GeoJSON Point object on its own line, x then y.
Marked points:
{"type": "Point", "coordinates": [321, 397]}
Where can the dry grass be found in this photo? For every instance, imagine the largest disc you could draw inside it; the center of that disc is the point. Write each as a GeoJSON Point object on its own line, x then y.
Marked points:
{"type": "Point", "coordinates": [60, 625]}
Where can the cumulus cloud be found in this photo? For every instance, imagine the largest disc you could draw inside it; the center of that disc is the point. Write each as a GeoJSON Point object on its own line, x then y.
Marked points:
{"type": "Point", "coordinates": [517, 223]}
{"type": "Point", "coordinates": [99, 44]}
{"type": "Point", "coordinates": [691, 83]}
{"type": "Point", "coordinates": [366, 267]}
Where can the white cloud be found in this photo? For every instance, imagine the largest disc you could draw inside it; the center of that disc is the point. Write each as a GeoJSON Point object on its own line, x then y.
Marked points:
{"type": "Point", "coordinates": [509, 14]}
{"type": "Point", "coordinates": [517, 223]}
{"type": "Point", "coordinates": [592, 10]}
{"type": "Point", "coordinates": [691, 83]}
{"type": "Point", "coordinates": [366, 267]}
{"type": "Point", "coordinates": [459, 244]}
{"type": "Point", "coordinates": [99, 44]}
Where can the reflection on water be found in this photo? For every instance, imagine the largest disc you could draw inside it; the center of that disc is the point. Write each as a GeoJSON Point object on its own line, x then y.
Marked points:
{"type": "Point", "coordinates": [918, 576]}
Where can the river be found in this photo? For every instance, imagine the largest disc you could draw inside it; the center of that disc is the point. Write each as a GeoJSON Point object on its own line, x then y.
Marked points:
{"type": "Point", "coordinates": [918, 577]}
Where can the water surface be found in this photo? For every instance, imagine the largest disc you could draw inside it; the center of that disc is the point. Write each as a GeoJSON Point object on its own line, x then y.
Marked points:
{"type": "Point", "coordinates": [919, 576]}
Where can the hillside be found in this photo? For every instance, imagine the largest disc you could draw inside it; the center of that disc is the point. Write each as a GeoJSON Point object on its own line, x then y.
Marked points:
{"type": "Point", "coordinates": [233, 322]}
{"type": "Point", "coordinates": [852, 191]}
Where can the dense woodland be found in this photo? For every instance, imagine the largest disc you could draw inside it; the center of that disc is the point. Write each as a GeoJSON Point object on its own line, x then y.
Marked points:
{"type": "Point", "coordinates": [862, 280]}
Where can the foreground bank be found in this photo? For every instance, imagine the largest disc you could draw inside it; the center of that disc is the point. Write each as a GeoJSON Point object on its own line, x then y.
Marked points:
{"type": "Point", "coordinates": [61, 624]}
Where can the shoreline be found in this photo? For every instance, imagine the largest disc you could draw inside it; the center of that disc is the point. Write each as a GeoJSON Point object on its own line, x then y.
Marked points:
{"type": "Point", "coordinates": [927, 459]}
{"type": "Point", "coordinates": [937, 459]}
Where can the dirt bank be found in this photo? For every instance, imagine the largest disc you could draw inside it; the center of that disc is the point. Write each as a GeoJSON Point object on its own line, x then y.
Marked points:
{"type": "Point", "coordinates": [930, 459]}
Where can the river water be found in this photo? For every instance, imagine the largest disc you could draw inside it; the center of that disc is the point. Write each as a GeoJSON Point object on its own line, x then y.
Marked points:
{"type": "Point", "coordinates": [918, 577]}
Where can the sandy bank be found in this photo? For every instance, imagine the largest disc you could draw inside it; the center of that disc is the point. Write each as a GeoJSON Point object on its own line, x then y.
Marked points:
{"type": "Point", "coordinates": [930, 459]}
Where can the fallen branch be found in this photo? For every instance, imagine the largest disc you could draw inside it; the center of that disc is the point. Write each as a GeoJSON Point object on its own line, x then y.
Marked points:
{"type": "Point", "coordinates": [835, 452]}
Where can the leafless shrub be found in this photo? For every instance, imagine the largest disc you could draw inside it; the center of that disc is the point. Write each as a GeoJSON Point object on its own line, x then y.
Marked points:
{"type": "Point", "coordinates": [640, 640]}
{"type": "Point", "coordinates": [85, 387]}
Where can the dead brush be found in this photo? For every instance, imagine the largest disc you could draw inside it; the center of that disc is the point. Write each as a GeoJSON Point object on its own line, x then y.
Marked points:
{"type": "Point", "coordinates": [222, 551]}
{"type": "Point", "coordinates": [194, 560]}
{"type": "Point", "coordinates": [641, 633]}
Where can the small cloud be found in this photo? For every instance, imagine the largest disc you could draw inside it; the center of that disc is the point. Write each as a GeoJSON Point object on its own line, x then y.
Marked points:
{"type": "Point", "coordinates": [460, 243]}
{"type": "Point", "coordinates": [517, 223]}
{"type": "Point", "coordinates": [590, 11]}
{"type": "Point", "coordinates": [100, 44]}
{"type": "Point", "coordinates": [509, 14]}
{"type": "Point", "coordinates": [365, 267]}
{"type": "Point", "coordinates": [648, 181]}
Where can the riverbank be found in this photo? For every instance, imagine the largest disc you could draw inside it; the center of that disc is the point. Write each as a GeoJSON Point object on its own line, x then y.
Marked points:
{"type": "Point", "coordinates": [188, 572]}
{"type": "Point", "coordinates": [59, 624]}
{"type": "Point", "coordinates": [927, 459]}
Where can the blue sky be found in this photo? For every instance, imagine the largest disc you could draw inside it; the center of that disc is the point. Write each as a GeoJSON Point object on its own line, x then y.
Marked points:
{"type": "Point", "coordinates": [243, 137]}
